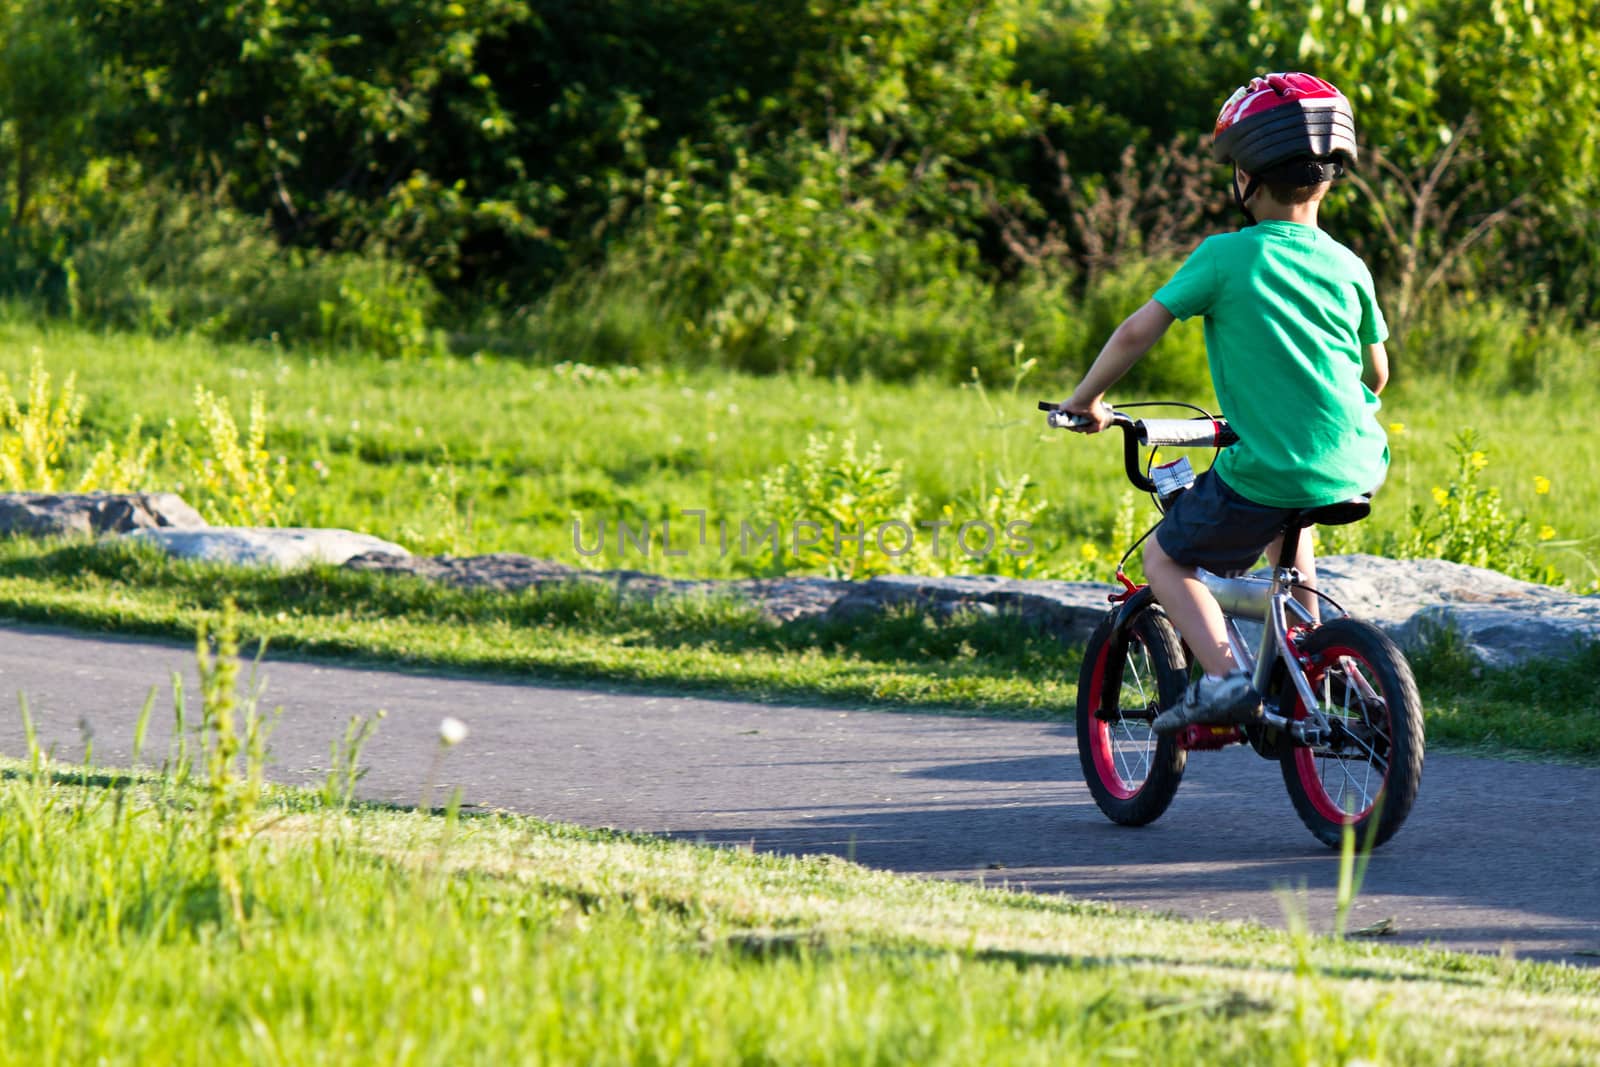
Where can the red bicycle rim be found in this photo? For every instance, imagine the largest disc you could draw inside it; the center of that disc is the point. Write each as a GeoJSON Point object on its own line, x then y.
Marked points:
{"type": "Point", "coordinates": [1306, 762]}
{"type": "Point", "coordinates": [1105, 764]}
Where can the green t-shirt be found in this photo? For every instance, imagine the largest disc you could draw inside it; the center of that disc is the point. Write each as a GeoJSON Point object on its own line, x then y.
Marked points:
{"type": "Point", "coordinates": [1288, 311]}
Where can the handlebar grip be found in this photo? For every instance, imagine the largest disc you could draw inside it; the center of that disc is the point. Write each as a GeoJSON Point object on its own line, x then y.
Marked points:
{"type": "Point", "coordinates": [1066, 420]}
{"type": "Point", "coordinates": [1186, 433]}
{"type": "Point", "coordinates": [1060, 418]}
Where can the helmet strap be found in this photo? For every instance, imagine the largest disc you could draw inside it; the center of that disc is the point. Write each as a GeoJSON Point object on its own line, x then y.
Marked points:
{"type": "Point", "coordinates": [1243, 198]}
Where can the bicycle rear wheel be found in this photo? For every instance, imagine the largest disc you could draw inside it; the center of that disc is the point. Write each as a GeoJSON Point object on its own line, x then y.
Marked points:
{"type": "Point", "coordinates": [1131, 771]}
{"type": "Point", "coordinates": [1370, 768]}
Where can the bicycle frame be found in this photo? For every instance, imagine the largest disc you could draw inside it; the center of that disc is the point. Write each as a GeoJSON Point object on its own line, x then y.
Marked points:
{"type": "Point", "coordinates": [1269, 601]}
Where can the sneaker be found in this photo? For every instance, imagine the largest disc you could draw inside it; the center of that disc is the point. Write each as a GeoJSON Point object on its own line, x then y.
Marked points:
{"type": "Point", "coordinates": [1230, 700]}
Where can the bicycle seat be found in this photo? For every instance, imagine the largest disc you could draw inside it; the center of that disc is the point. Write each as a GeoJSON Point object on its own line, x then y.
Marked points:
{"type": "Point", "coordinates": [1341, 514]}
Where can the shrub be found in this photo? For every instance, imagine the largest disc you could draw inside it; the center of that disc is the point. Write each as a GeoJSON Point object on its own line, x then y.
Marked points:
{"type": "Point", "coordinates": [236, 479]}
{"type": "Point", "coordinates": [1469, 524]}
{"type": "Point", "coordinates": [829, 506]}
{"type": "Point", "coordinates": [847, 514]}
{"type": "Point", "coordinates": [165, 261]}
{"type": "Point", "coordinates": [777, 267]}
{"type": "Point", "coordinates": [1176, 369]}
{"type": "Point", "coordinates": [803, 278]}
{"type": "Point", "coordinates": [1494, 345]}
{"type": "Point", "coordinates": [40, 442]}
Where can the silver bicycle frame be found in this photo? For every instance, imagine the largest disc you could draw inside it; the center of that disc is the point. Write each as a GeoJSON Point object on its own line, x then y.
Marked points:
{"type": "Point", "coordinates": [1271, 602]}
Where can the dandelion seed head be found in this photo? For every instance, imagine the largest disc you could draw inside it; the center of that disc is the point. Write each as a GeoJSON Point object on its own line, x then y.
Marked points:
{"type": "Point", "coordinates": [452, 731]}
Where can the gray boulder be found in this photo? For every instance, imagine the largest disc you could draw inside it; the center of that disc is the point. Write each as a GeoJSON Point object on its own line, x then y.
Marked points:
{"type": "Point", "coordinates": [1070, 609]}
{"type": "Point", "coordinates": [92, 514]}
{"type": "Point", "coordinates": [1501, 621]}
{"type": "Point", "coordinates": [780, 599]}
{"type": "Point", "coordinates": [283, 547]}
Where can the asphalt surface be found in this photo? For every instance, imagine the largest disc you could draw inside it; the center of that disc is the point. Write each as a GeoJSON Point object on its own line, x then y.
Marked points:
{"type": "Point", "coordinates": [1497, 856]}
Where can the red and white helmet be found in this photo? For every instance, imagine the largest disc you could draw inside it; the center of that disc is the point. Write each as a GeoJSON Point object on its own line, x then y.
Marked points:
{"type": "Point", "coordinates": [1281, 119]}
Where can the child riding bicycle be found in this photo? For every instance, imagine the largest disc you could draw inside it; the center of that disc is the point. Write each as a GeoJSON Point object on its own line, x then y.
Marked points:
{"type": "Point", "coordinates": [1289, 315]}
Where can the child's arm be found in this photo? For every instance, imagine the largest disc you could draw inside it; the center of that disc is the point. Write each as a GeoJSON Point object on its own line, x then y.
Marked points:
{"type": "Point", "coordinates": [1377, 367]}
{"type": "Point", "coordinates": [1128, 343]}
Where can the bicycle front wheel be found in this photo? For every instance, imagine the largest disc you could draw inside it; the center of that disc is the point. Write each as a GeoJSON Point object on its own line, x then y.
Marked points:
{"type": "Point", "coordinates": [1131, 771]}
{"type": "Point", "coordinates": [1370, 767]}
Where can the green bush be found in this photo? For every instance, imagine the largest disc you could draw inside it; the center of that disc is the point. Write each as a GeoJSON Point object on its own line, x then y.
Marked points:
{"type": "Point", "coordinates": [786, 272]}
{"type": "Point", "coordinates": [777, 269]}
{"type": "Point", "coordinates": [1176, 369]}
{"type": "Point", "coordinates": [161, 261]}
{"type": "Point", "coordinates": [1495, 345]}
{"type": "Point", "coordinates": [1468, 523]}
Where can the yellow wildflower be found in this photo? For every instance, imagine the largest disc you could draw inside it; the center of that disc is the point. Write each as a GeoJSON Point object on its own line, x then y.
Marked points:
{"type": "Point", "coordinates": [1546, 532]}
{"type": "Point", "coordinates": [1479, 461]}
{"type": "Point", "coordinates": [1397, 428]}
{"type": "Point", "coordinates": [1088, 552]}
{"type": "Point", "coordinates": [1541, 484]}
{"type": "Point", "coordinates": [1440, 497]}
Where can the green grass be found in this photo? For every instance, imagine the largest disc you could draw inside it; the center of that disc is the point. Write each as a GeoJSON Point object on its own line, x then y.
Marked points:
{"type": "Point", "coordinates": [573, 632]}
{"type": "Point", "coordinates": [970, 664]}
{"type": "Point", "coordinates": [490, 454]}
{"type": "Point", "coordinates": [1543, 707]}
{"type": "Point", "coordinates": [383, 936]}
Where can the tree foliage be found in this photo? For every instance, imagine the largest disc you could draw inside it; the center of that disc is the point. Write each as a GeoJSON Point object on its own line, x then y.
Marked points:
{"type": "Point", "coordinates": [904, 154]}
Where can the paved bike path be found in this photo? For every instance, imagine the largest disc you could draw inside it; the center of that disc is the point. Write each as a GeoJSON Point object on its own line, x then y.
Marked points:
{"type": "Point", "coordinates": [1496, 855]}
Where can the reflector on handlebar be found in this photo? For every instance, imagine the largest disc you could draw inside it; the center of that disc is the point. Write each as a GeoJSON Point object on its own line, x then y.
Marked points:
{"type": "Point", "coordinates": [1185, 433]}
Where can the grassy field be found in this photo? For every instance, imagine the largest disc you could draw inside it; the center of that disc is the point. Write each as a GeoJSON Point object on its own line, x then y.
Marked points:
{"type": "Point", "coordinates": [199, 917]}
{"type": "Point", "coordinates": [489, 454]}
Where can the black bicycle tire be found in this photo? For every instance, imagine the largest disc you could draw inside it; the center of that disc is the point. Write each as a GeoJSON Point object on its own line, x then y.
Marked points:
{"type": "Point", "coordinates": [1104, 667]}
{"type": "Point", "coordinates": [1403, 712]}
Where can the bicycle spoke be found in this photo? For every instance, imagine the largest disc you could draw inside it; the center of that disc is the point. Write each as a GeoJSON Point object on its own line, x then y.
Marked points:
{"type": "Point", "coordinates": [1129, 751]}
{"type": "Point", "coordinates": [1344, 769]}
{"type": "Point", "coordinates": [1350, 705]}
{"type": "Point", "coordinates": [1362, 706]}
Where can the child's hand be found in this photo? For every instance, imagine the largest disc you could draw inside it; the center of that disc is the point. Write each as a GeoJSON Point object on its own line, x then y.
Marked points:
{"type": "Point", "coordinates": [1095, 413]}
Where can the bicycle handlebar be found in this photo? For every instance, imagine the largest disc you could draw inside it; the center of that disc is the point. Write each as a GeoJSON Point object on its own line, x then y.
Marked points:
{"type": "Point", "coordinates": [1186, 433]}
{"type": "Point", "coordinates": [1177, 433]}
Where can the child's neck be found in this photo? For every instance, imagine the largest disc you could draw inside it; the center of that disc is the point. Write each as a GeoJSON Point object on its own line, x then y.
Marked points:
{"type": "Point", "coordinates": [1266, 209]}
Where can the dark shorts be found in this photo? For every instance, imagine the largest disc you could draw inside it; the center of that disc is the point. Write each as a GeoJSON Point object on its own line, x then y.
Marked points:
{"type": "Point", "coordinates": [1213, 527]}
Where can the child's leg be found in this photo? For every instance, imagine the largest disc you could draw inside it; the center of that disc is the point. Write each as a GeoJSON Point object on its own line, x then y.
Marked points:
{"type": "Point", "coordinates": [1305, 561]}
{"type": "Point", "coordinates": [1191, 607]}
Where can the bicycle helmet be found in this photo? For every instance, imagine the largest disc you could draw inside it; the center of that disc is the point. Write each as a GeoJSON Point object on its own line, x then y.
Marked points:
{"type": "Point", "coordinates": [1293, 128]}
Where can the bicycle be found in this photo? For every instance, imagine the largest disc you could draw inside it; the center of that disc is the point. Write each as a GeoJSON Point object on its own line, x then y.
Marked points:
{"type": "Point", "coordinates": [1341, 713]}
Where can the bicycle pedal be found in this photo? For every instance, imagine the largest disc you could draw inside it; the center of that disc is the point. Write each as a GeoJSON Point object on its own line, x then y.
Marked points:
{"type": "Point", "coordinates": [1203, 737]}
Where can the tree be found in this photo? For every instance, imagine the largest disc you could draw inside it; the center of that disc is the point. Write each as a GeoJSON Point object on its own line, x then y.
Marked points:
{"type": "Point", "coordinates": [46, 92]}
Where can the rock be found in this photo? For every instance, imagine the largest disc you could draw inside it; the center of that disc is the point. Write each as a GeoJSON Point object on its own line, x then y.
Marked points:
{"type": "Point", "coordinates": [278, 546]}
{"type": "Point", "coordinates": [90, 514]}
{"type": "Point", "coordinates": [501, 570]}
{"type": "Point", "coordinates": [1070, 609]}
{"type": "Point", "coordinates": [781, 599]}
{"type": "Point", "coordinates": [1501, 621]}
{"type": "Point", "coordinates": [794, 599]}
